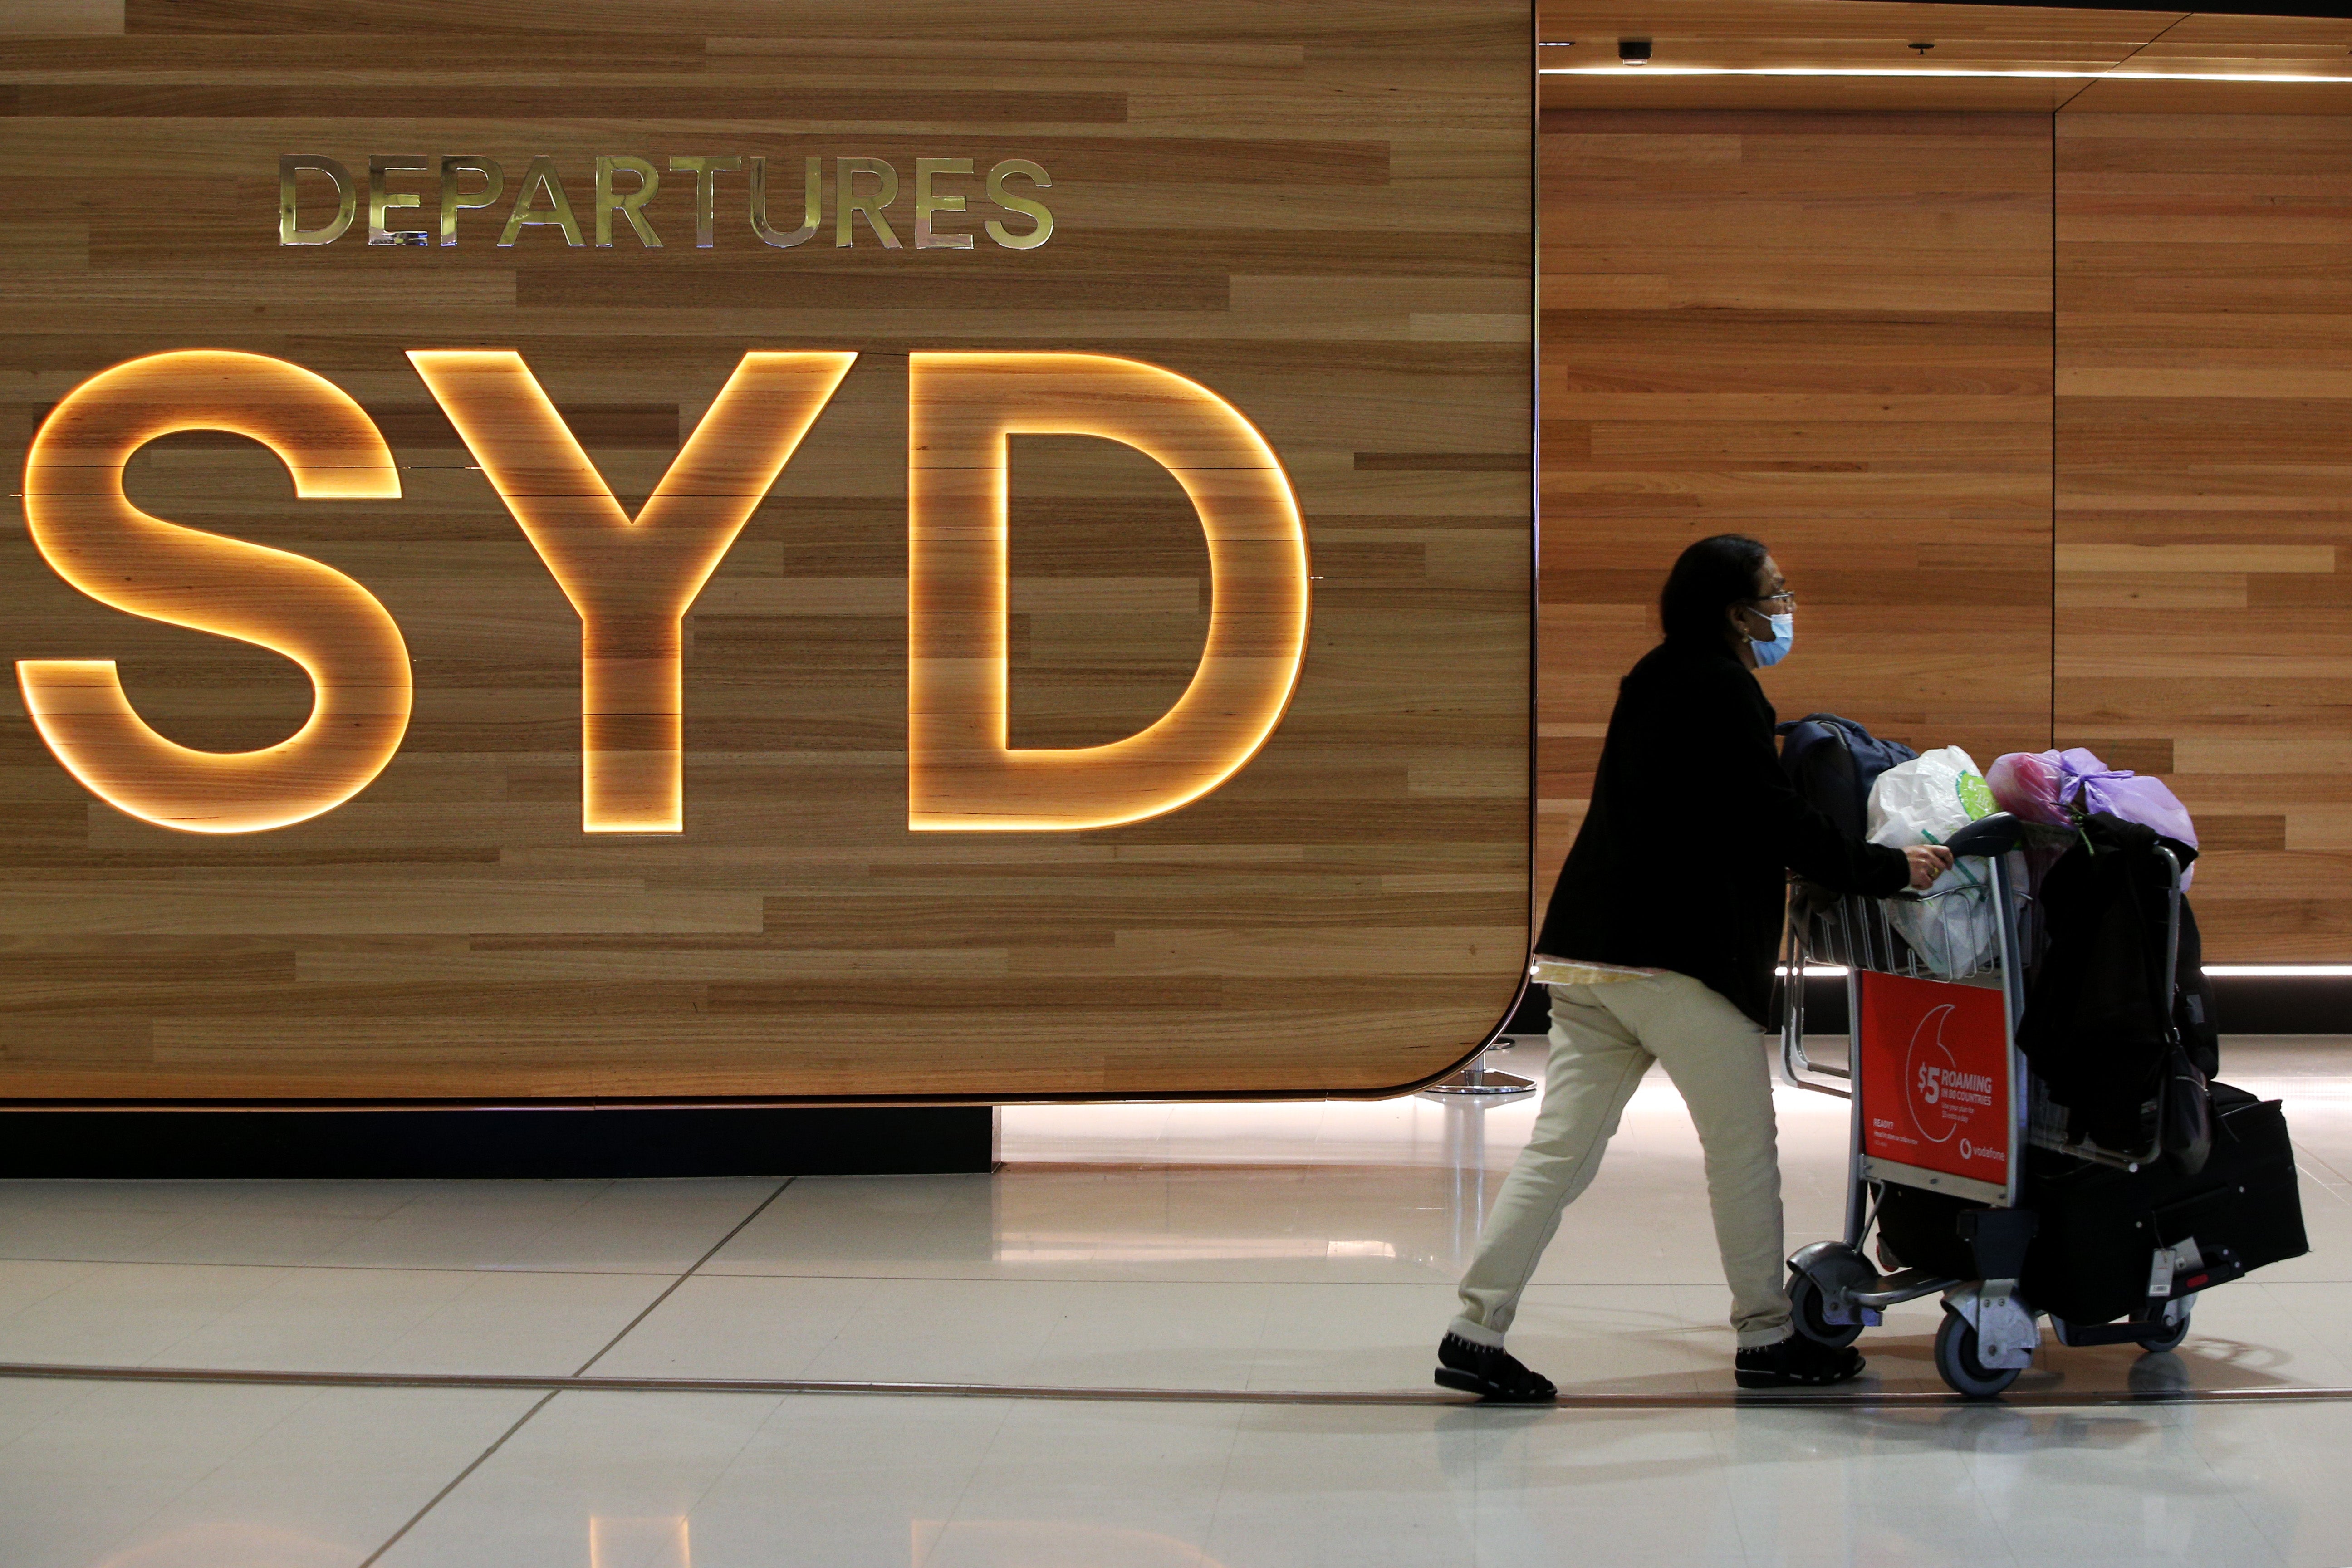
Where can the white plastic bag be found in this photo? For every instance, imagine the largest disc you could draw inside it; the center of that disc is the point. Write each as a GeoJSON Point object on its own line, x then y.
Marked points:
{"type": "Point", "coordinates": [1925, 801]}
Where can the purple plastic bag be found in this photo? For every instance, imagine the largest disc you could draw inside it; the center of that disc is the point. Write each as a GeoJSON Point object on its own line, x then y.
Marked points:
{"type": "Point", "coordinates": [2088, 785]}
{"type": "Point", "coordinates": [2092, 785]}
{"type": "Point", "coordinates": [2053, 787]}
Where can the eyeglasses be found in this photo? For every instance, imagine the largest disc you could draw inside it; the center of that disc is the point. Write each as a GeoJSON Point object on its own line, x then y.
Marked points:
{"type": "Point", "coordinates": [1782, 601]}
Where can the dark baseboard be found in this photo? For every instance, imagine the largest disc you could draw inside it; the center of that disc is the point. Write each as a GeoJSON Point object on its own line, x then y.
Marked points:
{"type": "Point", "coordinates": [2243, 1004]}
{"type": "Point", "coordinates": [2249, 1004]}
{"type": "Point", "coordinates": [499, 1143]}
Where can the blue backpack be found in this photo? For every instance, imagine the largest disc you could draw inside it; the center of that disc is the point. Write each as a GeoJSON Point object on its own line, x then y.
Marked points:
{"type": "Point", "coordinates": [1832, 763]}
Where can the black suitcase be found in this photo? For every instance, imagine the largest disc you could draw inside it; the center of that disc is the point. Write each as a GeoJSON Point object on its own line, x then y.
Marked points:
{"type": "Point", "coordinates": [2099, 1227]}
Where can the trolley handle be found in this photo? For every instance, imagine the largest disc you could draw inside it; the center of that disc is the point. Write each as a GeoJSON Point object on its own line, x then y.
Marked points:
{"type": "Point", "coordinates": [1986, 837]}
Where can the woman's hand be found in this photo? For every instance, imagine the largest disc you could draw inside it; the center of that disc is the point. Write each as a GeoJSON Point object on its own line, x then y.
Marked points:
{"type": "Point", "coordinates": [1929, 861]}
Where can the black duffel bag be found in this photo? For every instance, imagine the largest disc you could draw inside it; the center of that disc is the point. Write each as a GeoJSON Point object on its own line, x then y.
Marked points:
{"type": "Point", "coordinates": [2093, 1254]}
{"type": "Point", "coordinates": [2101, 1226]}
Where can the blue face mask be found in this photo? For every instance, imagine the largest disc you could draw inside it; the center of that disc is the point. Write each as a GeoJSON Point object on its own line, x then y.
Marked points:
{"type": "Point", "coordinates": [1784, 636]}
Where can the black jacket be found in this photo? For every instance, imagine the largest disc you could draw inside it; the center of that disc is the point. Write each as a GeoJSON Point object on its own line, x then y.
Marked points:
{"type": "Point", "coordinates": [1681, 862]}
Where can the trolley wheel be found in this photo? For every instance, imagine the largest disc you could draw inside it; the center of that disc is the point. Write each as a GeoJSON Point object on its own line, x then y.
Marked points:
{"type": "Point", "coordinates": [1806, 1306]}
{"type": "Point", "coordinates": [1956, 1359]}
{"type": "Point", "coordinates": [2163, 1336]}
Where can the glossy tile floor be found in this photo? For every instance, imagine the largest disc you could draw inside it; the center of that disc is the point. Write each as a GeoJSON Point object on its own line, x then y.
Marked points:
{"type": "Point", "coordinates": [1232, 1248]}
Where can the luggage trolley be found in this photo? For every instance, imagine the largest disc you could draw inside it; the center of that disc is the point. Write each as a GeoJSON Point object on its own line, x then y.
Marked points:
{"type": "Point", "coordinates": [1942, 1102]}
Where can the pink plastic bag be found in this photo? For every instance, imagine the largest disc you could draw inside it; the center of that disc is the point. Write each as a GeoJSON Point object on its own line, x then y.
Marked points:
{"type": "Point", "coordinates": [2025, 784]}
{"type": "Point", "coordinates": [2053, 787]}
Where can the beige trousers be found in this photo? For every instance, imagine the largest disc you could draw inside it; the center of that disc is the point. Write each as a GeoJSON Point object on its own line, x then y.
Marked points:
{"type": "Point", "coordinates": [1603, 1038]}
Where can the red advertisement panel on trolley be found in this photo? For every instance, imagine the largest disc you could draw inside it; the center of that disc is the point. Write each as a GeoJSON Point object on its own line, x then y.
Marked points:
{"type": "Point", "coordinates": [1934, 1061]}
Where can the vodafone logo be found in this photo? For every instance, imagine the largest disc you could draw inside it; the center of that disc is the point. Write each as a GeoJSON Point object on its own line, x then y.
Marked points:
{"type": "Point", "coordinates": [1934, 1079]}
{"type": "Point", "coordinates": [1943, 1097]}
{"type": "Point", "coordinates": [1928, 1063]}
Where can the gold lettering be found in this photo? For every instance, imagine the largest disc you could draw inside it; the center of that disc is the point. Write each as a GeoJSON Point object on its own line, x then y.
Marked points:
{"type": "Point", "coordinates": [847, 204]}
{"type": "Point", "coordinates": [926, 204]}
{"type": "Point", "coordinates": [648, 182]}
{"type": "Point", "coordinates": [812, 204]}
{"type": "Point", "coordinates": [1034, 210]}
{"type": "Point", "coordinates": [290, 230]}
{"type": "Point", "coordinates": [962, 774]}
{"type": "Point", "coordinates": [541, 176]}
{"type": "Point", "coordinates": [631, 580]}
{"type": "Point", "coordinates": [494, 184]}
{"type": "Point", "coordinates": [706, 171]}
{"type": "Point", "coordinates": [542, 200]}
{"type": "Point", "coordinates": [338, 632]}
{"type": "Point", "coordinates": [379, 199]}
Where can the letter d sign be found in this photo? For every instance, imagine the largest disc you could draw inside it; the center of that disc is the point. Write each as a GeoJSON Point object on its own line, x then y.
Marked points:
{"type": "Point", "coordinates": [961, 772]}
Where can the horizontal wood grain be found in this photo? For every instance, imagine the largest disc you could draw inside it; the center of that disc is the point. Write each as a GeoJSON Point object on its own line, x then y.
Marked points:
{"type": "Point", "coordinates": [1842, 345]}
{"type": "Point", "coordinates": [1241, 195]}
{"type": "Point", "coordinates": [2182, 606]}
{"type": "Point", "coordinates": [2202, 525]}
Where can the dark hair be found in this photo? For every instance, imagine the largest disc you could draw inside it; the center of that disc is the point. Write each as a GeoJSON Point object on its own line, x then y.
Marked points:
{"type": "Point", "coordinates": [1708, 577]}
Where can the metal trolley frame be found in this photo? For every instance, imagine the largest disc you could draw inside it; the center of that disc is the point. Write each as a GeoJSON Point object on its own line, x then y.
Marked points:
{"type": "Point", "coordinates": [1990, 1333]}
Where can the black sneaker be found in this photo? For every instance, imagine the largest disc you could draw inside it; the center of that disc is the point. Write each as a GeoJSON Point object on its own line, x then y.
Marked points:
{"type": "Point", "coordinates": [1797, 1363]}
{"type": "Point", "coordinates": [1491, 1372]}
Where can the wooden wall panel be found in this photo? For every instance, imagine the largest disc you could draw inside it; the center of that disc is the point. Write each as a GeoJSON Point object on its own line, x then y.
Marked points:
{"type": "Point", "coordinates": [2008, 57]}
{"type": "Point", "coordinates": [1321, 211]}
{"type": "Point", "coordinates": [2205, 496]}
{"type": "Point", "coordinates": [1828, 331]}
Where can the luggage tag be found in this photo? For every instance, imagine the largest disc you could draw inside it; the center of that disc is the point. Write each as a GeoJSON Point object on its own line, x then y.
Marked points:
{"type": "Point", "coordinates": [2183, 1258]}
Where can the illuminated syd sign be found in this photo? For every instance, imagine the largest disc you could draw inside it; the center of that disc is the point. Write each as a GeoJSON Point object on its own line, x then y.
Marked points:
{"type": "Point", "coordinates": [633, 579]}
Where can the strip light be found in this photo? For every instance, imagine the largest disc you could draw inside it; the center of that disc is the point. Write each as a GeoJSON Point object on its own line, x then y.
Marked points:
{"type": "Point", "coordinates": [2212, 971]}
{"type": "Point", "coordinates": [1952, 71]}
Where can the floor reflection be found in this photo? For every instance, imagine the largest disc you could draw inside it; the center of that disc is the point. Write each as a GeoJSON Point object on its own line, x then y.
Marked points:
{"type": "Point", "coordinates": [228, 1544]}
{"type": "Point", "coordinates": [1235, 1248]}
{"type": "Point", "coordinates": [624, 1542]}
{"type": "Point", "coordinates": [1466, 1151]}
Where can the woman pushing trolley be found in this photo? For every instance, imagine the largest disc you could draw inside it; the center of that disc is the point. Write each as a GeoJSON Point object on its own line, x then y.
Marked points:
{"type": "Point", "coordinates": [2035, 1131]}
{"type": "Point", "coordinates": [1659, 944]}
